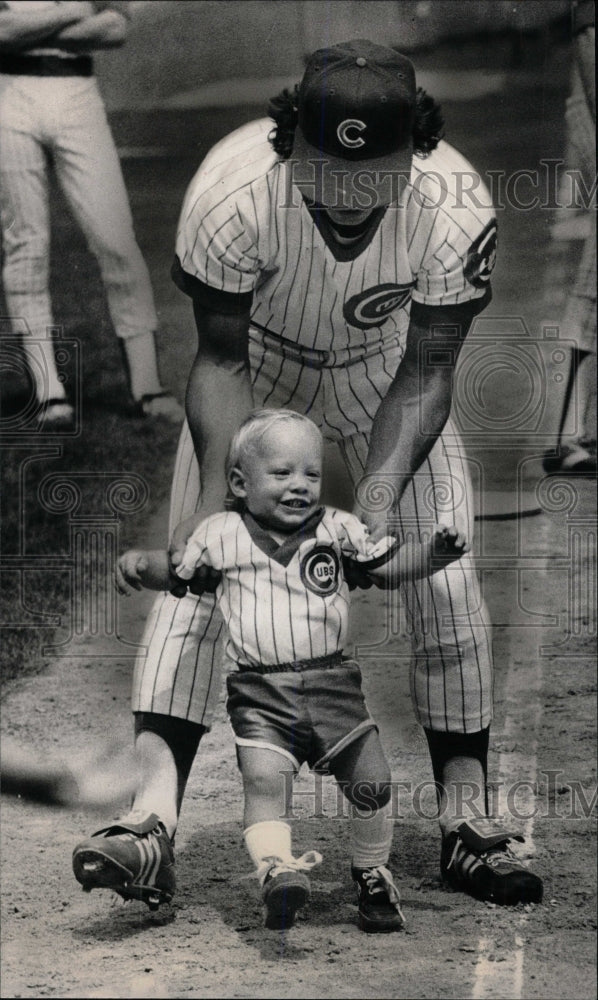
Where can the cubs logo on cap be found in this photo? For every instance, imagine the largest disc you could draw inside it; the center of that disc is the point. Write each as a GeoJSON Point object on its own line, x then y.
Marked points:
{"type": "Point", "coordinates": [320, 570]}
{"type": "Point", "coordinates": [348, 133]}
{"type": "Point", "coordinates": [356, 110]}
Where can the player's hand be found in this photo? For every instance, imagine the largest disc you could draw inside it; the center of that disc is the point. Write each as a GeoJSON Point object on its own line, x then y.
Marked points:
{"type": "Point", "coordinates": [447, 545]}
{"type": "Point", "coordinates": [377, 522]}
{"type": "Point", "coordinates": [180, 537]}
{"type": "Point", "coordinates": [205, 579]}
{"type": "Point", "coordinates": [129, 568]}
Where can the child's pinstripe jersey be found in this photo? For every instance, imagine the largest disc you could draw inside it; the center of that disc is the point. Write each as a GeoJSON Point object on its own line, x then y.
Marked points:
{"type": "Point", "coordinates": [280, 603]}
{"type": "Point", "coordinates": [244, 230]}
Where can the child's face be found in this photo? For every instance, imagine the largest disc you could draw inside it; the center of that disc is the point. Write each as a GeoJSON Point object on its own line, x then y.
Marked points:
{"type": "Point", "coordinates": [281, 479]}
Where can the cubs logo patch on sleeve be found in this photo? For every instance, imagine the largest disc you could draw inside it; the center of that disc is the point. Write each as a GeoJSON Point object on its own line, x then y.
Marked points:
{"type": "Point", "coordinates": [481, 257]}
{"type": "Point", "coordinates": [320, 570]}
{"type": "Point", "coordinates": [372, 306]}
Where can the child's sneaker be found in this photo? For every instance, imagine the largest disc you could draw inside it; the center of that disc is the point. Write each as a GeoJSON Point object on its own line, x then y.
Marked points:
{"type": "Point", "coordinates": [378, 900]}
{"type": "Point", "coordinates": [285, 889]}
{"type": "Point", "coordinates": [476, 859]}
{"type": "Point", "coordinates": [133, 857]}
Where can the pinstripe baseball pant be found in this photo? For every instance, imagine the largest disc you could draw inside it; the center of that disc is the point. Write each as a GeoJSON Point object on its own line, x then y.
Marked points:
{"type": "Point", "coordinates": [451, 669]}
{"type": "Point", "coordinates": [64, 118]}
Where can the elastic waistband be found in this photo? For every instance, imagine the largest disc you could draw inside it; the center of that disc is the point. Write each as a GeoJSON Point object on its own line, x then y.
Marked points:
{"type": "Point", "coordinates": [309, 357]}
{"type": "Point", "coordinates": [18, 65]}
{"type": "Point", "coordinates": [317, 663]}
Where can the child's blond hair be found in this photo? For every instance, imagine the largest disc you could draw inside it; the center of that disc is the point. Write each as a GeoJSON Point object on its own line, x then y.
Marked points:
{"type": "Point", "coordinates": [253, 429]}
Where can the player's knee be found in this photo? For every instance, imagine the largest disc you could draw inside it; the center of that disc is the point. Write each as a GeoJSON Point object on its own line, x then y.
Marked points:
{"type": "Point", "coordinates": [368, 795]}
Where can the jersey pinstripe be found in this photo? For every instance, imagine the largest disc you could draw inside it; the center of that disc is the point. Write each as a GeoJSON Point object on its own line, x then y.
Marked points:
{"type": "Point", "coordinates": [245, 229]}
{"type": "Point", "coordinates": [276, 609]}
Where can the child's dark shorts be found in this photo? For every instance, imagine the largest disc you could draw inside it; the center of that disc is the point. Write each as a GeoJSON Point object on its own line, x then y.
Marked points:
{"type": "Point", "coordinates": [308, 712]}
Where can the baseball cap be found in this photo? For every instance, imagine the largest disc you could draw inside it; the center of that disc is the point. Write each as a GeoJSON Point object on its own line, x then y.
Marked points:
{"type": "Point", "coordinates": [356, 109]}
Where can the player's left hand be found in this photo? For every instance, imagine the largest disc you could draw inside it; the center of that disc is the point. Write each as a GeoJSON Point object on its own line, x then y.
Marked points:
{"type": "Point", "coordinates": [447, 545]}
{"type": "Point", "coordinates": [377, 523]}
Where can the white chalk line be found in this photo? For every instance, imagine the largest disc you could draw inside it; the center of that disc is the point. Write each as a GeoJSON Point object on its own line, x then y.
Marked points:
{"type": "Point", "coordinates": [504, 978]}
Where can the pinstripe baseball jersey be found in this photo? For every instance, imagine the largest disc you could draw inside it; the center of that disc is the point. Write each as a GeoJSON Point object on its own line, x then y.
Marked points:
{"type": "Point", "coordinates": [245, 233]}
{"type": "Point", "coordinates": [280, 602]}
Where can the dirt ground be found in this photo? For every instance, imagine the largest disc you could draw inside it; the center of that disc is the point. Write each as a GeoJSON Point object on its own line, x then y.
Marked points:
{"type": "Point", "coordinates": [539, 581]}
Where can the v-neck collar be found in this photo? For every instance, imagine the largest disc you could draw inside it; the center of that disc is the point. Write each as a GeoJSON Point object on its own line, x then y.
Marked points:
{"type": "Point", "coordinates": [344, 251]}
{"type": "Point", "coordinates": [281, 552]}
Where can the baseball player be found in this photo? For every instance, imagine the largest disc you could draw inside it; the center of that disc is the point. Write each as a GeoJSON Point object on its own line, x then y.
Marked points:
{"type": "Point", "coordinates": [335, 266]}
{"type": "Point", "coordinates": [51, 109]}
{"type": "Point", "coordinates": [284, 600]}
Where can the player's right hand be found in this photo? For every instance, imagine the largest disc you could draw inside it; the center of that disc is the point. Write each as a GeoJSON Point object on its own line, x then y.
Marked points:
{"type": "Point", "coordinates": [128, 569]}
{"type": "Point", "coordinates": [180, 537]}
{"type": "Point", "coordinates": [205, 579]}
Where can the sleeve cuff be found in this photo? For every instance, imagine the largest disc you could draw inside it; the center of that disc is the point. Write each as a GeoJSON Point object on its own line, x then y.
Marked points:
{"type": "Point", "coordinates": [452, 311]}
{"type": "Point", "coordinates": [214, 299]}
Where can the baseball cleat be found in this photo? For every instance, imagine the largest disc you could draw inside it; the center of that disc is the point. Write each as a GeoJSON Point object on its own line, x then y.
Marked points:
{"type": "Point", "coordinates": [285, 889]}
{"type": "Point", "coordinates": [133, 857]}
{"type": "Point", "coordinates": [378, 900]}
{"type": "Point", "coordinates": [476, 859]}
{"type": "Point", "coordinates": [159, 404]}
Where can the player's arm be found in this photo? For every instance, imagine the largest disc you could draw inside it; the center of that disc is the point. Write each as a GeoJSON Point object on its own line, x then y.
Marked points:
{"type": "Point", "coordinates": [106, 29]}
{"type": "Point", "coordinates": [217, 400]}
{"type": "Point", "coordinates": [21, 29]}
{"type": "Point", "coordinates": [417, 405]}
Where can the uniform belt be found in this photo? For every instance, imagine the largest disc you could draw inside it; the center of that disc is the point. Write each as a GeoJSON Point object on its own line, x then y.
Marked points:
{"type": "Point", "coordinates": [298, 666]}
{"type": "Point", "coordinates": [18, 65]}
{"type": "Point", "coordinates": [312, 358]}
{"type": "Point", "coordinates": [307, 356]}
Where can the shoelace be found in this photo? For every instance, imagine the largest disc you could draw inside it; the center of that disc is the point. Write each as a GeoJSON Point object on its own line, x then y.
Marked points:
{"type": "Point", "coordinates": [382, 874]}
{"type": "Point", "coordinates": [274, 865]}
{"type": "Point", "coordinates": [493, 857]}
{"type": "Point", "coordinates": [502, 854]}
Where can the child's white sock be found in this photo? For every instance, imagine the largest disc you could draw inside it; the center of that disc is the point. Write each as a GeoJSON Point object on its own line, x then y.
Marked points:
{"type": "Point", "coordinates": [371, 837]}
{"type": "Point", "coordinates": [269, 839]}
